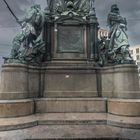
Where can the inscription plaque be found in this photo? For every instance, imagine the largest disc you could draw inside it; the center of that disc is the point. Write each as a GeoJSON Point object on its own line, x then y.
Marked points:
{"type": "Point", "coordinates": [70, 39]}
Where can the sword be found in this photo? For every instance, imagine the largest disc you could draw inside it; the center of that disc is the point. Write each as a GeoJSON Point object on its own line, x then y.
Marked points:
{"type": "Point", "coordinates": [11, 11]}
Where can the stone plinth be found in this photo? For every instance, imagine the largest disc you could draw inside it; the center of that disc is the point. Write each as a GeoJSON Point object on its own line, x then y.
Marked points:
{"type": "Point", "coordinates": [120, 81]}
{"type": "Point", "coordinates": [72, 80]}
{"type": "Point", "coordinates": [16, 108]}
{"type": "Point", "coordinates": [34, 81]}
{"type": "Point", "coordinates": [19, 81]}
{"type": "Point", "coordinates": [66, 93]}
{"type": "Point", "coordinates": [14, 79]}
{"type": "Point", "coordinates": [71, 105]}
{"type": "Point", "coordinates": [124, 107]}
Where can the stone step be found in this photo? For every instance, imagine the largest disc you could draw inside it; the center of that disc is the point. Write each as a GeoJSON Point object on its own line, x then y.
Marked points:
{"type": "Point", "coordinates": [16, 108]}
{"type": "Point", "coordinates": [49, 119]}
{"type": "Point", "coordinates": [72, 118]}
{"type": "Point", "coordinates": [124, 107]}
{"type": "Point", "coordinates": [52, 119]}
{"type": "Point", "coordinates": [101, 138]}
{"type": "Point", "coordinates": [70, 94]}
{"type": "Point", "coordinates": [72, 132]}
{"type": "Point", "coordinates": [71, 105]}
{"type": "Point", "coordinates": [123, 121]}
{"type": "Point", "coordinates": [70, 126]}
{"type": "Point", "coordinates": [25, 107]}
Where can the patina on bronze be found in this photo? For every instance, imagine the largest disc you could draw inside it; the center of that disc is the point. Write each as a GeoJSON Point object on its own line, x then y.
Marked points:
{"type": "Point", "coordinates": [68, 30]}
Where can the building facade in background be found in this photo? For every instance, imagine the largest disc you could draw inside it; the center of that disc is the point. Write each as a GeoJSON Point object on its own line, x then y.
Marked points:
{"type": "Point", "coordinates": [135, 53]}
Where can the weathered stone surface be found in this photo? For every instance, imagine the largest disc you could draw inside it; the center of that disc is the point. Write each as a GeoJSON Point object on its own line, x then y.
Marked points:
{"type": "Point", "coordinates": [16, 108]}
{"type": "Point", "coordinates": [34, 82]}
{"type": "Point", "coordinates": [80, 83]}
{"type": "Point", "coordinates": [71, 105]}
{"type": "Point", "coordinates": [14, 79]}
{"type": "Point", "coordinates": [52, 119]}
{"type": "Point", "coordinates": [123, 121]}
{"type": "Point", "coordinates": [120, 81]}
{"type": "Point", "coordinates": [124, 107]}
{"type": "Point", "coordinates": [69, 80]}
{"type": "Point", "coordinates": [63, 132]}
{"type": "Point", "coordinates": [77, 125]}
{"type": "Point", "coordinates": [70, 83]}
{"type": "Point", "coordinates": [19, 81]}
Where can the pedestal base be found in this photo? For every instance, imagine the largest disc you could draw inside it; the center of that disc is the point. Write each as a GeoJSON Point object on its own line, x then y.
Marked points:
{"type": "Point", "coordinates": [69, 101]}
{"type": "Point", "coordinates": [68, 126]}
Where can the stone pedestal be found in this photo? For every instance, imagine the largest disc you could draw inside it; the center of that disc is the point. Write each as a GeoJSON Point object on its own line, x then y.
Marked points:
{"type": "Point", "coordinates": [71, 80]}
{"type": "Point", "coordinates": [75, 93]}
{"type": "Point", "coordinates": [19, 81]}
{"type": "Point", "coordinates": [68, 95]}
{"type": "Point", "coordinates": [71, 105]}
{"type": "Point", "coordinates": [124, 107]}
{"type": "Point", "coordinates": [120, 81]}
{"type": "Point", "coordinates": [14, 82]}
{"type": "Point", "coordinates": [16, 108]}
{"type": "Point", "coordinates": [126, 82]}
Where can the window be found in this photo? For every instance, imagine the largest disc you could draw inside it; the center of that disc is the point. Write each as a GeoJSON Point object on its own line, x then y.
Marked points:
{"type": "Point", "coordinates": [137, 50]}
{"type": "Point", "coordinates": [137, 57]}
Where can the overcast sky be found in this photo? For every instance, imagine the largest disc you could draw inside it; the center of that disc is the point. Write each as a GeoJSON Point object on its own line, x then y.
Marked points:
{"type": "Point", "coordinates": [8, 27]}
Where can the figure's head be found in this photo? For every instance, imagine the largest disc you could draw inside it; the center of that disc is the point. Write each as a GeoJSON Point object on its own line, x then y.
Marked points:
{"type": "Point", "coordinates": [115, 9]}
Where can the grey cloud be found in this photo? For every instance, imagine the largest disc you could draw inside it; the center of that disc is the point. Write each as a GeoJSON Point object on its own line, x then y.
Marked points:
{"type": "Point", "coordinates": [6, 19]}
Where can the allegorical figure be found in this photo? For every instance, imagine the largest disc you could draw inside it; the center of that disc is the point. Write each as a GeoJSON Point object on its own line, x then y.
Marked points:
{"type": "Point", "coordinates": [31, 33]}
{"type": "Point", "coordinates": [119, 45]}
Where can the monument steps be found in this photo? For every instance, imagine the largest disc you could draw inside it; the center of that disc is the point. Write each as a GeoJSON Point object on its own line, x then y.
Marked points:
{"type": "Point", "coordinates": [24, 107]}
{"type": "Point", "coordinates": [25, 113]}
{"type": "Point", "coordinates": [123, 121]}
{"type": "Point", "coordinates": [102, 138]}
{"type": "Point", "coordinates": [71, 132]}
{"type": "Point", "coordinates": [52, 119]}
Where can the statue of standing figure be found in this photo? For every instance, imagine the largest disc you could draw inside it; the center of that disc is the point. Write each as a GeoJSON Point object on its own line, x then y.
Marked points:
{"type": "Point", "coordinates": [118, 45]}
{"type": "Point", "coordinates": [30, 36]}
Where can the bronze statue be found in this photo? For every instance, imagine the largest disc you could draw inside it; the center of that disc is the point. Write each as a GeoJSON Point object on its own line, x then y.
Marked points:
{"type": "Point", "coordinates": [30, 36]}
{"type": "Point", "coordinates": [118, 45]}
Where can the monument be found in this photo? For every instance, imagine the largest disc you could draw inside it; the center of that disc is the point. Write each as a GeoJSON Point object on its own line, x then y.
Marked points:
{"type": "Point", "coordinates": [60, 72]}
